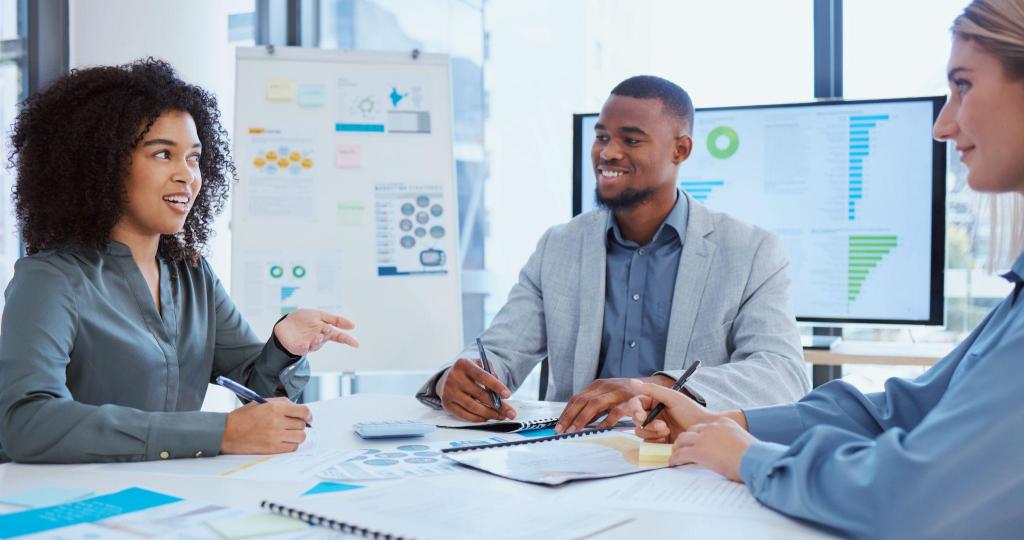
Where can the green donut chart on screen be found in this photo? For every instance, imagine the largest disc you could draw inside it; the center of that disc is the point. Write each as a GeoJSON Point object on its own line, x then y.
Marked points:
{"type": "Point", "coordinates": [730, 148]}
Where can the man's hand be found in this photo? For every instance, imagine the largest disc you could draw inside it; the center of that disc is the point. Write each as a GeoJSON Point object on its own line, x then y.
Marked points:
{"type": "Point", "coordinates": [611, 397]}
{"type": "Point", "coordinates": [718, 446]}
{"type": "Point", "coordinates": [265, 428]}
{"type": "Point", "coordinates": [465, 393]}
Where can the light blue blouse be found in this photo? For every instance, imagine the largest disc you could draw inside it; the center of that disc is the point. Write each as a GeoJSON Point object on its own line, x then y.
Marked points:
{"type": "Point", "coordinates": [941, 456]}
{"type": "Point", "coordinates": [90, 371]}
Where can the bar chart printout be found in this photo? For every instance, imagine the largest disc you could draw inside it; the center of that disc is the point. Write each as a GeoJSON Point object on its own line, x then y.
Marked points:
{"type": "Point", "coordinates": [860, 149]}
{"type": "Point", "coordinates": [865, 254]}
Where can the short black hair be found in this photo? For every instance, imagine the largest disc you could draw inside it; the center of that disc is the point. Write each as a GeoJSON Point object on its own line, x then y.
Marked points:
{"type": "Point", "coordinates": [71, 147]}
{"type": "Point", "coordinates": [672, 96]}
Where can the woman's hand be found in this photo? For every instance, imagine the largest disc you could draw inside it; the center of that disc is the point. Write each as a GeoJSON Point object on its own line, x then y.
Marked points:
{"type": "Point", "coordinates": [718, 445]}
{"type": "Point", "coordinates": [679, 414]}
{"type": "Point", "coordinates": [265, 428]}
{"type": "Point", "coordinates": [306, 330]}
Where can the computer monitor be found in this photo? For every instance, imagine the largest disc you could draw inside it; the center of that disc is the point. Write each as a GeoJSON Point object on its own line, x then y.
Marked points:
{"type": "Point", "coordinates": [855, 189]}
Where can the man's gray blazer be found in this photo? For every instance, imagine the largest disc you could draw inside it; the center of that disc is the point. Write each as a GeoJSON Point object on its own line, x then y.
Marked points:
{"type": "Point", "coordinates": [730, 310]}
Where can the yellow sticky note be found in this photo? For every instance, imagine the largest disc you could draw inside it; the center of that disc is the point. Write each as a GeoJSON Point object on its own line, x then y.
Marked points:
{"type": "Point", "coordinates": [255, 525]}
{"type": "Point", "coordinates": [655, 454]}
{"type": "Point", "coordinates": [280, 90]}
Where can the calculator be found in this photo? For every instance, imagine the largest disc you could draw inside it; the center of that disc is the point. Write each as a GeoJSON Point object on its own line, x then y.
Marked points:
{"type": "Point", "coordinates": [392, 428]}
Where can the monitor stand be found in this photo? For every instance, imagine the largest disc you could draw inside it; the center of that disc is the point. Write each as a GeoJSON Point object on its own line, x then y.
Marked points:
{"type": "Point", "coordinates": [825, 337]}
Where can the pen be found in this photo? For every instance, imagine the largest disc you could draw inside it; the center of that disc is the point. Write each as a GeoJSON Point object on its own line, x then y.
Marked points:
{"type": "Point", "coordinates": [243, 392]}
{"type": "Point", "coordinates": [487, 367]}
{"type": "Point", "coordinates": [678, 386]}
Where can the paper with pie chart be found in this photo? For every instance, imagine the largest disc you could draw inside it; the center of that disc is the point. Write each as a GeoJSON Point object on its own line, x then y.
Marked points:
{"type": "Point", "coordinates": [414, 459]}
{"type": "Point", "coordinates": [284, 168]}
{"type": "Point", "coordinates": [413, 235]}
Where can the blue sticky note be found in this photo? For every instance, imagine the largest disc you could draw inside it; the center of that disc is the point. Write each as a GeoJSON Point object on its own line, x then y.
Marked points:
{"type": "Point", "coordinates": [312, 95]}
{"type": "Point", "coordinates": [331, 487]}
{"type": "Point", "coordinates": [45, 496]}
{"type": "Point", "coordinates": [84, 511]}
{"type": "Point", "coordinates": [532, 433]}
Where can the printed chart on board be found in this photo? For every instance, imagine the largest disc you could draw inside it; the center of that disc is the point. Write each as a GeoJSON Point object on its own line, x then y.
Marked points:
{"type": "Point", "coordinates": [346, 201]}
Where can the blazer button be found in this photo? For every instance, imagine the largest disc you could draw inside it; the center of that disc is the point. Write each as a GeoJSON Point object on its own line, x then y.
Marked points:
{"type": "Point", "coordinates": [199, 453]}
{"type": "Point", "coordinates": [164, 455]}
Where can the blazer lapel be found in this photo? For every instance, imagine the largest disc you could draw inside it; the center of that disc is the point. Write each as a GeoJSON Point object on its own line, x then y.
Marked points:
{"type": "Point", "coordinates": [691, 280]}
{"type": "Point", "coordinates": [593, 265]}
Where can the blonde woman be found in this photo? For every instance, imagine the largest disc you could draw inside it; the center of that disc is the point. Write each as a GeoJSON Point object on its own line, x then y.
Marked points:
{"type": "Point", "coordinates": [941, 456]}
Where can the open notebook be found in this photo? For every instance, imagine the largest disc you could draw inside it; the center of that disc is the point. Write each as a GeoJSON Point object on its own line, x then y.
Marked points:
{"type": "Point", "coordinates": [529, 415]}
{"type": "Point", "coordinates": [412, 509]}
{"type": "Point", "coordinates": [588, 454]}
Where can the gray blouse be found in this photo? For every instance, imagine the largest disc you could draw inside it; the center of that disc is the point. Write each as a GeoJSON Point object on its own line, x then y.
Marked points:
{"type": "Point", "coordinates": [91, 371]}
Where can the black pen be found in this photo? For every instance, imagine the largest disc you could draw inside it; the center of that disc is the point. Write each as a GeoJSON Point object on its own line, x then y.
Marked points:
{"type": "Point", "coordinates": [678, 386]}
{"type": "Point", "coordinates": [242, 391]}
{"type": "Point", "coordinates": [487, 367]}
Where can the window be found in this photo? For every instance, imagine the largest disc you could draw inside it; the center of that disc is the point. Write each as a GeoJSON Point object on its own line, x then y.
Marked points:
{"type": "Point", "coordinates": [12, 89]}
{"type": "Point", "coordinates": [895, 49]}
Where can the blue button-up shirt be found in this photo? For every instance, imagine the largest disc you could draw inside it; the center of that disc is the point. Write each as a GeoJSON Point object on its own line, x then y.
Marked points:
{"type": "Point", "coordinates": [939, 456]}
{"type": "Point", "coordinates": [638, 296]}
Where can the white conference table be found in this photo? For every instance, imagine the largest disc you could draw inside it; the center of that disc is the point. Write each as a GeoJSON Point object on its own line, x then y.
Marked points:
{"type": "Point", "coordinates": [333, 421]}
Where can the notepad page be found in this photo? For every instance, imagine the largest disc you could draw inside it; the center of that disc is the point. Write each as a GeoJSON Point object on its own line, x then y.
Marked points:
{"type": "Point", "coordinates": [412, 508]}
{"type": "Point", "coordinates": [689, 487]}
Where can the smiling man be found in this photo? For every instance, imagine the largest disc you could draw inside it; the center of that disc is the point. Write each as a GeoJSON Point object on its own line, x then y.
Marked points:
{"type": "Point", "coordinates": [641, 287]}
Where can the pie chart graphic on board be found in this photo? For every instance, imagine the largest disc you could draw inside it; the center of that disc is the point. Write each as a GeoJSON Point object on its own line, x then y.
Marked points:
{"type": "Point", "coordinates": [723, 142]}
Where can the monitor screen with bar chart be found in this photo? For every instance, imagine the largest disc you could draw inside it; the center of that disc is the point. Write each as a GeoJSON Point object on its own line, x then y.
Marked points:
{"type": "Point", "coordinates": [855, 189]}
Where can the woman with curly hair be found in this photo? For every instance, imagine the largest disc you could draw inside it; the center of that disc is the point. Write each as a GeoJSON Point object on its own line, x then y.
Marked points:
{"type": "Point", "coordinates": [114, 323]}
{"type": "Point", "coordinates": [939, 456]}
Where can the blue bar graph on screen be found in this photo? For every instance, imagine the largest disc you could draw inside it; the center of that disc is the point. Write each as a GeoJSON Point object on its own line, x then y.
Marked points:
{"type": "Point", "coordinates": [859, 151]}
{"type": "Point", "coordinates": [700, 189]}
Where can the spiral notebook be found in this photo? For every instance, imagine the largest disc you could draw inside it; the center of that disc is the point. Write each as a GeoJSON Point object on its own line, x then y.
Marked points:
{"type": "Point", "coordinates": [410, 508]}
{"type": "Point", "coordinates": [529, 415]}
{"type": "Point", "coordinates": [555, 460]}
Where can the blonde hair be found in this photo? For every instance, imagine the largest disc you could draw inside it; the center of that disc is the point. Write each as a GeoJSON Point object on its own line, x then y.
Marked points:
{"type": "Point", "coordinates": [997, 26]}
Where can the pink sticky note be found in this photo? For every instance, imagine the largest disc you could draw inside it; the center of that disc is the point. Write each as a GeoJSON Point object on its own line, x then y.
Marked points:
{"type": "Point", "coordinates": [348, 156]}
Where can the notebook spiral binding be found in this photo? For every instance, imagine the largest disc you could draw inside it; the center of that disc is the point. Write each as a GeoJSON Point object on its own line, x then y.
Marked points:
{"type": "Point", "coordinates": [582, 433]}
{"type": "Point", "coordinates": [340, 526]}
{"type": "Point", "coordinates": [540, 422]}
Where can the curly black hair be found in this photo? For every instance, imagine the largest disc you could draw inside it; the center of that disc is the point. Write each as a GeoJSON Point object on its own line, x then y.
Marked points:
{"type": "Point", "coordinates": [72, 145]}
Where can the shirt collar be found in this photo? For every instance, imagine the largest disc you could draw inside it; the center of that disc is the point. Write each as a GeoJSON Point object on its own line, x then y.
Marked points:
{"type": "Point", "coordinates": [117, 249]}
{"type": "Point", "coordinates": [675, 220]}
{"type": "Point", "coordinates": [1016, 273]}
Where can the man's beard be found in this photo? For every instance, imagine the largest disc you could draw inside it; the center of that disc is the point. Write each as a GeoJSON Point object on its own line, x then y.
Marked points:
{"type": "Point", "coordinates": [627, 200]}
